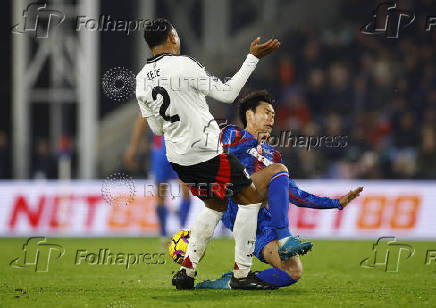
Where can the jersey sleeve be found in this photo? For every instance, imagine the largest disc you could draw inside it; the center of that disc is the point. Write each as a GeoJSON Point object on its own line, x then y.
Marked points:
{"type": "Point", "coordinates": [212, 86]}
{"type": "Point", "coordinates": [304, 199]}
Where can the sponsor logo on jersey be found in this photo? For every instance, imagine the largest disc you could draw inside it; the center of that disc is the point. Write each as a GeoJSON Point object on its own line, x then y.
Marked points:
{"type": "Point", "coordinates": [254, 152]}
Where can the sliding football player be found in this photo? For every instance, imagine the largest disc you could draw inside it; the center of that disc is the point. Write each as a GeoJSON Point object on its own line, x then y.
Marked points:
{"type": "Point", "coordinates": [250, 147]}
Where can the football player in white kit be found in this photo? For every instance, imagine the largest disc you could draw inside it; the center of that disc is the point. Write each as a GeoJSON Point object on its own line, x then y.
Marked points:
{"type": "Point", "coordinates": [171, 90]}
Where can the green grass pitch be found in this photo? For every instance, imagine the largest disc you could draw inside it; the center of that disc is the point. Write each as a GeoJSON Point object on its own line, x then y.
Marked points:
{"type": "Point", "coordinates": [332, 277]}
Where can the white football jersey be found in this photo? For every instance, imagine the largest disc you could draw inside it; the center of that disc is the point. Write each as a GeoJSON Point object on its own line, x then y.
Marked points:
{"type": "Point", "coordinates": [171, 93]}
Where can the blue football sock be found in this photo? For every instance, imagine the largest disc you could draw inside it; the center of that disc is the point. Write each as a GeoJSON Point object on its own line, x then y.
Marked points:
{"type": "Point", "coordinates": [184, 211]}
{"type": "Point", "coordinates": [276, 276]}
{"type": "Point", "coordinates": [162, 213]}
{"type": "Point", "coordinates": [278, 201]}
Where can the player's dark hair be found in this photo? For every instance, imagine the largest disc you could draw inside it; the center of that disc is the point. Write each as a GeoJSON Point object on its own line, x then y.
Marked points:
{"type": "Point", "coordinates": [251, 101]}
{"type": "Point", "coordinates": [156, 31]}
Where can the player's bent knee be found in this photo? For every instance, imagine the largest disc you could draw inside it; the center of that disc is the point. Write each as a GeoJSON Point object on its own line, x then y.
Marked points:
{"type": "Point", "coordinates": [295, 271]}
{"type": "Point", "coordinates": [296, 274]}
{"type": "Point", "coordinates": [248, 195]}
{"type": "Point", "coordinates": [279, 167]}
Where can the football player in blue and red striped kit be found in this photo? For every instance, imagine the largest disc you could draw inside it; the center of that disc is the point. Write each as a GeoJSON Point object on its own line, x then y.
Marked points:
{"type": "Point", "coordinates": [250, 147]}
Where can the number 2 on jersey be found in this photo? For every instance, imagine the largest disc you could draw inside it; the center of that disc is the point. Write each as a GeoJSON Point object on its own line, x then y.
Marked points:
{"type": "Point", "coordinates": [165, 104]}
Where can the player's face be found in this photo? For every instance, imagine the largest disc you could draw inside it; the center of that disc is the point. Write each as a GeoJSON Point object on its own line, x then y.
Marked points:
{"type": "Point", "coordinates": [263, 118]}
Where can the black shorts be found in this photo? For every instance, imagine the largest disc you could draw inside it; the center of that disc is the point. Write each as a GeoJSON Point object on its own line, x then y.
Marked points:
{"type": "Point", "coordinates": [220, 177]}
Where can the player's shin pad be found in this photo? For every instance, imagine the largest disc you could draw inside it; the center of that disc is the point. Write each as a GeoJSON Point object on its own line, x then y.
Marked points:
{"type": "Point", "coordinates": [244, 232]}
{"type": "Point", "coordinates": [201, 233]}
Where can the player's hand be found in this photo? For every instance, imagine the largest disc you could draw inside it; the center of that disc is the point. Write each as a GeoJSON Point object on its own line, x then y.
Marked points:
{"type": "Point", "coordinates": [261, 50]}
{"type": "Point", "coordinates": [344, 200]}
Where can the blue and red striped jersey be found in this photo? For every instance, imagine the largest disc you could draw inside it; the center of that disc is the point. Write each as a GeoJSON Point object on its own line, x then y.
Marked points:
{"type": "Point", "coordinates": [255, 156]}
{"type": "Point", "coordinates": [246, 148]}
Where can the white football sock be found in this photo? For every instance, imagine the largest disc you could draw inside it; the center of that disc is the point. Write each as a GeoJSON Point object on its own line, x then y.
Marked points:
{"type": "Point", "coordinates": [201, 233]}
{"type": "Point", "coordinates": [244, 232]}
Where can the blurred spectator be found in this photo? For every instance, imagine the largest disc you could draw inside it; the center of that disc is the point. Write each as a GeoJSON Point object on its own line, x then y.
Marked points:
{"type": "Point", "coordinates": [315, 90]}
{"type": "Point", "coordinates": [406, 135]}
{"type": "Point", "coordinates": [44, 164]}
{"type": "Point", "coordinates": [380, 93]}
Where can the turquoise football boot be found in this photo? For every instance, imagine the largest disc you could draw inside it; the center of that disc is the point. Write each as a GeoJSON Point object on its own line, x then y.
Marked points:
{"type": "Point", "coordinates": [223, 283]}
{"type": "Point", "coordinates": [294, 246]}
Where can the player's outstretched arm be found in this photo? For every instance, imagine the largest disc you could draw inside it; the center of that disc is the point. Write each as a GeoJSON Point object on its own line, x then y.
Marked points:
{"type": "Point", "coordinates": [138, 130]}
{"type": "Point", "coordinates": [302, 198]}
{"type": "Point", "coordinates": [228, 91]}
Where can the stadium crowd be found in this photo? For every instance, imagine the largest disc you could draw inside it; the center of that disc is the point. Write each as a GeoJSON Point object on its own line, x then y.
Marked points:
{"type": "Point", "coordinates": [376, 94]}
